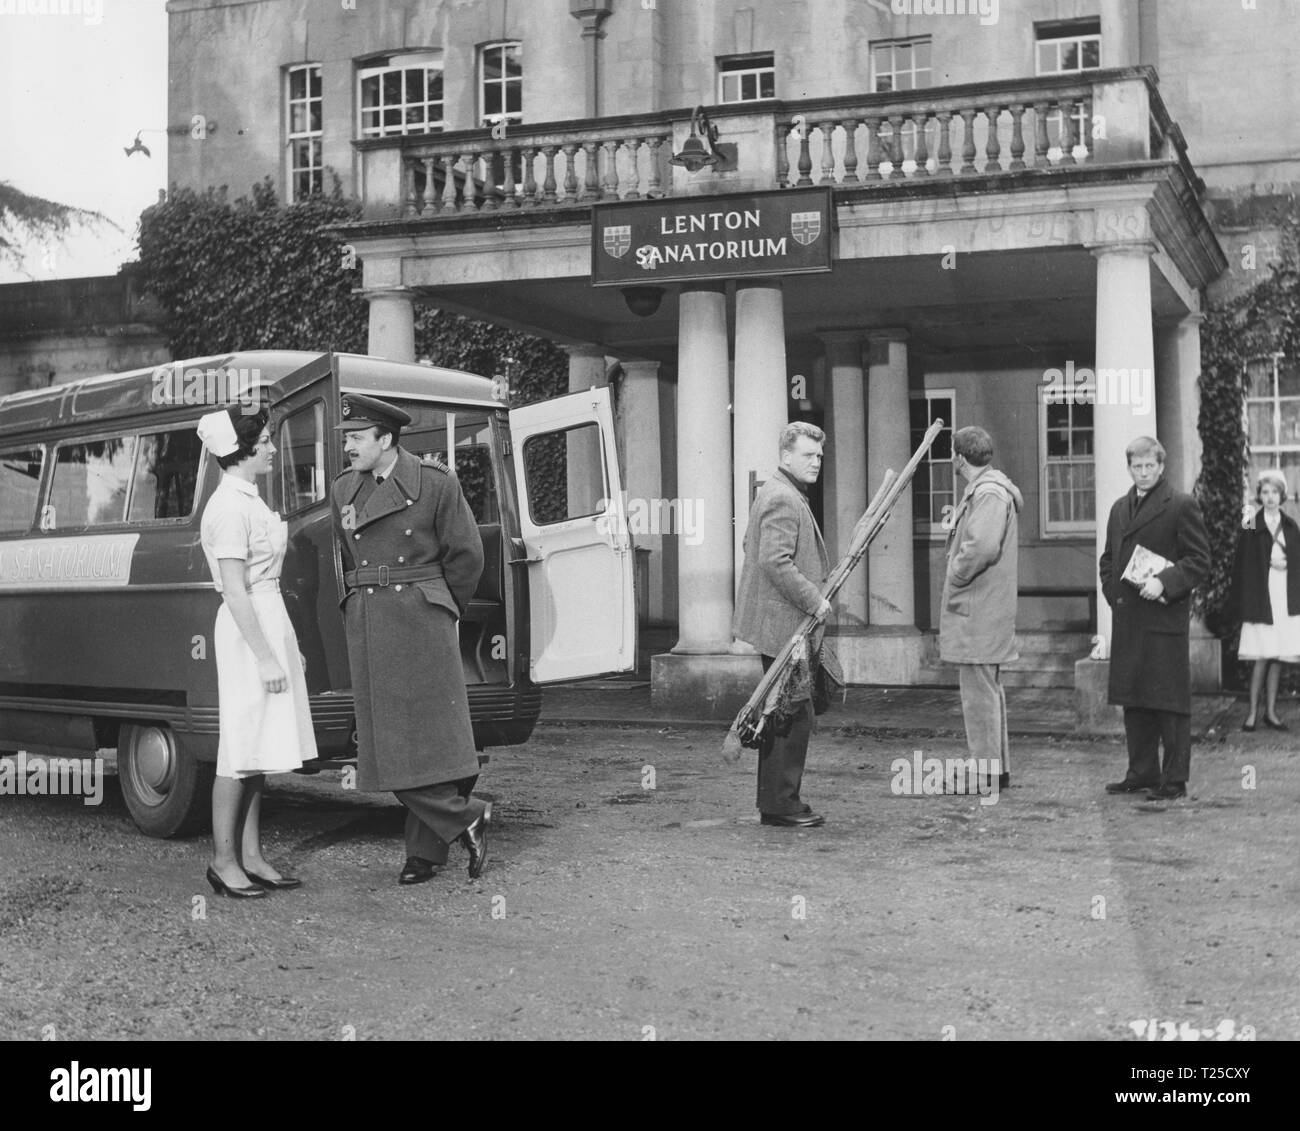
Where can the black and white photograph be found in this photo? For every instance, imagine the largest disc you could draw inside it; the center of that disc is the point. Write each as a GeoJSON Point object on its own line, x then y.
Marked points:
{"type": "Point", "coordinates": [651, 520]}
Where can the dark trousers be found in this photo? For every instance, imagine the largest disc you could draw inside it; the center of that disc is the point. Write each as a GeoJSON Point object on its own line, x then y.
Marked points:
{"type": "Point", "coordinates": [1145, 729]}
{"type": "Point", "coordinates": [781, 760]}
{"type": "Point", "coordinates": [437, 814]}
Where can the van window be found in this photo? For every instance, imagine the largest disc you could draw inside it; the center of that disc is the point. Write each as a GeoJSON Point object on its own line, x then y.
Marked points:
{"type": "Point", "coordinates": [90, 483]}
{"type": "Point", "coordinates": [166, 473]}
{"type": "Point", "coordinates": [426, 435]}
{"type": "Point", "coordinates": [300, 444]}
{"type": "Point", "coordinates": [564, 474]}
{"type": "Point", "coordinates": [20, 477]}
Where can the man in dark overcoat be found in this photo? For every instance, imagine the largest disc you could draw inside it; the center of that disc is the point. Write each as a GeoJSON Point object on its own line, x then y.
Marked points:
{"type": "Point", "coordinates": [412, 558]}
{"type": "Point", "coordinates": [1150, 668]}
{"type": "Point", "coordinates": [780, 583]}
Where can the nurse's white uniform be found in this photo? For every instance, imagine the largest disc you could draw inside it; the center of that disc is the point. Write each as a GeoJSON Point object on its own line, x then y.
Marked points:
{"type": "Point", "coordinates": [262, 732]}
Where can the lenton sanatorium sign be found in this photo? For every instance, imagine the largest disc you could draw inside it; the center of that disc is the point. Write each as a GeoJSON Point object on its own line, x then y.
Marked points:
{"type": "Point", "coordinates": [785, 232]}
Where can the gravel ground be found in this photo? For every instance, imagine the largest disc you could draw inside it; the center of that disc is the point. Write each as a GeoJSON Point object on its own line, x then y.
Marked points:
{"type": "Point", "coordinates": [609, 910]}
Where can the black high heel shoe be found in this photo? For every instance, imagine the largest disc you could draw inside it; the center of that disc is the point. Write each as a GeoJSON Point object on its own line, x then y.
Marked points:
{"type": "Point", "coordinates": [1274, 726]}
{"type": "Point", "coordinates": [284, 883]}
{"type": "Point", "coordinates": [222, 888]}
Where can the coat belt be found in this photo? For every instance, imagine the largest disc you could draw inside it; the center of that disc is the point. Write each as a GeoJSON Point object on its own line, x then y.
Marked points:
{"type": "Point", "coordinates": [384, 575]}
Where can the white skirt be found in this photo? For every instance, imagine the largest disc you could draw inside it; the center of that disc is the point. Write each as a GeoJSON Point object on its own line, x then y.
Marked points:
{"type": "Point", "coordinates": [262, 732]}
{"type": "Point", "coordinates": [1279, 640]}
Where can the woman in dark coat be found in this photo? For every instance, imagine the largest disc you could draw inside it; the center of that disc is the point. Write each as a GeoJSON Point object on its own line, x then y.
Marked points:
{"type": "Point", "coordinates": [1266, 588]}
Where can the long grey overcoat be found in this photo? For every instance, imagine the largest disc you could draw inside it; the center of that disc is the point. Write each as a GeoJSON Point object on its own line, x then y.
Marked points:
{"type": "Point", "coordinates": [413, 724]}
{"type": "Point", "coordinates": [977, 620]}
{"type": "Point", "coordinates": [785, 567]}
{"type": "Point", "coordinates": [1149, 663]}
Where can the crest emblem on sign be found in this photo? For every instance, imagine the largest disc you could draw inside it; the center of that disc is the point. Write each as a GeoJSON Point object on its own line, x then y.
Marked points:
{"type": "Point", "coordinates": [618, 239]}
{"type": "Point", "coordinates": [806, 226]}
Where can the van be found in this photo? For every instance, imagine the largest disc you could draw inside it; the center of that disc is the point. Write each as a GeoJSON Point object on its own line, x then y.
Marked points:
{"type": "Point", "coordinates": [107, 606]}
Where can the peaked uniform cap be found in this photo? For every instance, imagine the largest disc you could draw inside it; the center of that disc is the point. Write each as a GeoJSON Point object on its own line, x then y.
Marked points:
{"type": "Point", "coordinates": [367, 412]}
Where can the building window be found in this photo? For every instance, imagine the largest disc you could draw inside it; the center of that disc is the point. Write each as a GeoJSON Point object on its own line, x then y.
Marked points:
{"type": "Point", "coordinates": [1068, 48]}
{"type": "Point", "coordinates": [1273, 417]}
{"type": "Point", "coordinates": [902, 64]}
{"type": "Point", "coordinates": [501, 83]}
{"type": "Point", "coordinates": [303, 129]}
{"type": "Point", "coordinates": [746, 78]}
{"type": "Point", "coordinates": [932, 486]}
{"type": "Point", "coordinates": [401, 94]}
{"type": "Point", "coordinates": [1069, 470]}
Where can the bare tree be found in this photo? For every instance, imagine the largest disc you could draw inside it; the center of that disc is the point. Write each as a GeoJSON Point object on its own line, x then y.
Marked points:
{"type": "Point", "coordinates": [24, 218]}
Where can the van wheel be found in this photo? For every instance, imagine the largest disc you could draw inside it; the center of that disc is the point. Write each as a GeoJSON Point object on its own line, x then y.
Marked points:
{"type": "Point", "coordinates": [168, 791]}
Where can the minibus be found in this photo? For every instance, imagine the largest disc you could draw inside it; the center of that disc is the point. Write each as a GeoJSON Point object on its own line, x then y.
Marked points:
{"type": "Point", "coordinates": [107, 606]}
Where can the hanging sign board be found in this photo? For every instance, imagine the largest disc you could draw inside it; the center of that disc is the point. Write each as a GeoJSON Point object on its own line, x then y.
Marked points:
{"type": "Point", "coordinates": [645, 242]}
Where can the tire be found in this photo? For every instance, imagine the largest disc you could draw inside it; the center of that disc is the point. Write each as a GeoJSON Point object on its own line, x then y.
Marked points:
{"type": "Point", "coordinates": [167, 790]}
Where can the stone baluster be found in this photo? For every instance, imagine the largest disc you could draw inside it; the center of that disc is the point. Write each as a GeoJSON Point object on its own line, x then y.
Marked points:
{"type": "Point", "coordinates": [921, 120]}
{"type": "Point", "coordinates": [805, 157]}
{"type": "Point", "coordinates": [873, 148]}
{"type": "Point", "coordinates": [1069, 132]}
{"type": "Point", "coordinates": [591, 179]}
{"type": "Point", "coordinates": [943, 159]}
{"type": "Point", "coordinates": [1017, 137]}
{"type": "Point", "coordinates": [611, 170]}
{"type": "Point", "coordinates": [548, 185]}
{"type": "Point", "coordinates": [1087, 132]}
{"type": "Point", "coordinates": [431, 202]}
{"type": "Point", "coordinates": [468, 199]}
{"type": "Point", "coordinates": [782, 157]}
{"type": "Point", "coordinates": [654, 186]}
{"type": "Point", "coordinates": [489, 197]}
{"type": "Point", "coordinates": [633, 147]}
{"type": "Point", "coordinates": [448, 183]}
{"type": "Point", "coordinates": [896, 146]}
{"type": "Point", "coordinates": [508, 186]}
{"type": "Point", "coordinates": [530, 179]}
{"type": "Point", "coordinates": [570, 171]}
{"type": "Point", "coordinates": [1041, 145]}
{"type": "Point", "coordinates": [967, 140]}
{"type": "Point", "coordinates": [410, 198]}
{"type": "Point", "coordinates": [828, 153]}
{"type": "Point", "coordinates": [850, 127]}
{"type": "Point", "coordinates": [993, 145]}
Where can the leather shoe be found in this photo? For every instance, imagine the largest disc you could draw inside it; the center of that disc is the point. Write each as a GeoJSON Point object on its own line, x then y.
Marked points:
{"type": "Point", "coordinates": [474, 839]}
{"type": "Point", "coordinates": [807, 820]}
{"type": "Point", "coordinates": [284, 883]}
{"type": "Point", "coordinates": [416, 870]}
{"type": "Point", "coordinates": [1274, 726]}
{"type": "Point", "coordinates": [222, 888]}
{"type": "Point", "coordinates": [1129, 785]}
{"type": "Point", "coordinates": [1170, 791]}
{"type": "Point", "coordinates": [1248, 727]}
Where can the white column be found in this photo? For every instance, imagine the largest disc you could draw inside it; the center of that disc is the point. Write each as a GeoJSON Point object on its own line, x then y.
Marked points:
{"type": "Point", "coordinates": [392, 323]}
{"type": "Point", "coordinates": [1120, 33]}
{"type": "Point", "coordinates": [1124, 342]}
{"type": "Point", "coordinates": [761, 399]}
{"type": "Point", "coordinates": [891, 582]}
{"type": "Point", "coordinates": [643, 476]}
{"type": "Point", "coordinates": [847, 457]}
{"type": "Point", "coordinates": [706, 598]}
{"type": "Point", "coordinates": [586, 368]}
{"type": "Point", "coordinates": [1178, 366]}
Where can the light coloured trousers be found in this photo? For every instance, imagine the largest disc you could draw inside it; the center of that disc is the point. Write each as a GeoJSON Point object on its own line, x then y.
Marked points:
{"type": "Point", "coordinates": [984, 709]}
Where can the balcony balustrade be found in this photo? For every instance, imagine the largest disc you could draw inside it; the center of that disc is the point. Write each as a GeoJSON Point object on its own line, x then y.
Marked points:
{"type": "Point", "coordinates": [1011, 128]}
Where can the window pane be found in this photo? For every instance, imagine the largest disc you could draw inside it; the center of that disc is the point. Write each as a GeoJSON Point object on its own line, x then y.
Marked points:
{"type": "Point", "coordinates": [1290, 410]}
{"type": "Point", "coordinates": [90, 482]}
{"type": "Point", "coordinates": [370, 91]}
{"type": "Point", "coordinates": [20, 474]}
{"type": "Point", "coordinates": [748, 87]}
{"type": "Point", "coordinates": [564, 475]}
{"type": "Point", "coordinates": [315, 82]}
{"type": "Point", "coordinates": [903, 57]}
{"type": "Point", "coordinates": [1259, 373]}
{"type": "Point", "coordinates": [1070, 60]}
{"type": "Point", "coordinates": [767, 85]}
{"type": "Point", "coordinates": [730, 88]}
{"type": "Point", "coordinates": [297, 84]}
{"type": "Point", "coordinates": [492, 99]}
{"type": "Point", "coordinates": [514, 61]}
{"type": "Point", "coordinates": [426, 435]}
{"type": "Point", "coordinates": [166, 471]}
{"type": "Point", "coordinates": [435, 86]}
{"type": "Point", "coordinates": [315, 123]}
{"type": "Point", "coordinates": [903, 80]}
{"type": "Point", "coordinates": [1046, 58]}
{"type": "Point", "coordinates": [1058, 415]}
{"type": "Point", "coordinates": [1092, 53]}
{"type": "Point", "coordinates": [1288, 378]}
{"type": "Point", "coordinates": [491, 63]}
{"type": "Point", "coordinates": [301, 444]}
{"type": "Point", "coordinates": [1058, 444]}
{"type": "Point", "coordinates": [392, 87]}
{"type": "Point", "coordinates": [1261, 423]}
{"type": "Point", "coordinates": [921, 55]}
{"type": "Point", "coordinates": [884, 85]}
{"type": "Point", "coordinates": [298, 118]}
{"type": "Point", "coordinates": [415, 85]}
{"type": "Point", "coordinates": [515, 98]}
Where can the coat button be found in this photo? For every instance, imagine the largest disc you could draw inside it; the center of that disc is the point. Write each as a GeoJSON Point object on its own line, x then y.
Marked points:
{"type": "Point", "coordinates": [410, 502]}
{"type": "Point", "coordinates": [400, 560]}
{"type": "Point", "coordinates": [369, 590]}
{"type": "Point", "coordinates": [408, 533]}
{"type": "Point", "coordinates": [365, 563]}
{"type": "Point", "coordinates": [398, 588]}
{"type": "Point", "coordinates": [357, 537]}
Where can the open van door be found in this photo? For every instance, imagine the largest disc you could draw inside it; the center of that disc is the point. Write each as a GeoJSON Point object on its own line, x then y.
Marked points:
{"type": "Point", "coordinates": [580, 557]}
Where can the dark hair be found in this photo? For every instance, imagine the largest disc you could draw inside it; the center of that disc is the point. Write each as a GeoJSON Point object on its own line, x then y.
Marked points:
{"type": "Point", "coordinates": [382, 430]}
{"type": "Point", "coordinates": [248, 427]}
{"type": "Point", "coordinates": [974, 445]}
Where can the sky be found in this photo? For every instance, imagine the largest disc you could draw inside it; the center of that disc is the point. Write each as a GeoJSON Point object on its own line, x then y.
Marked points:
{"type": "Point", "coordinates": [78, 79]}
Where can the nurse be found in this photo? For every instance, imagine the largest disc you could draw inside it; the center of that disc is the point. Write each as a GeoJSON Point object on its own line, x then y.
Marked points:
{"type": "Point", "coordinates": [262, 693]}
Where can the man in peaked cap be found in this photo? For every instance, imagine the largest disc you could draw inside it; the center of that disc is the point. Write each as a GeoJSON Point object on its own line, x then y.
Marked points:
{"type": "Point", "coordinates": [412, 558]}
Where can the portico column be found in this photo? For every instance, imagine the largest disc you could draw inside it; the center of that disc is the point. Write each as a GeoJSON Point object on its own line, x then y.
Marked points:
{"type": "Point", "coordinates": [392, 323]}
{"type": "Point", "coordinates": [760, 401]}
{"type": "Point", "coordinates": [643, 476]}
{"type": "Point", "coordinates": [1125, 342]}
{"type": "Point", "coordinates": [586, 369]}
{"type": "Point", "coordinates": [892, 586]}
{"type": "Point", "coordinates": [847, 443]}
{"type": "Point", "coordinates": [1178, 399]}
{"type": "Point", "coordinates": [704, 471]}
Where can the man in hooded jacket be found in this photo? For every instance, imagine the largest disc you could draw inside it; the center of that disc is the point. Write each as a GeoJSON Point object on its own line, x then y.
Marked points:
{"type": "Point", "coordinates": [977, 623]}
